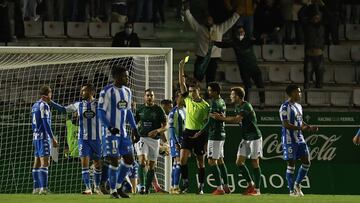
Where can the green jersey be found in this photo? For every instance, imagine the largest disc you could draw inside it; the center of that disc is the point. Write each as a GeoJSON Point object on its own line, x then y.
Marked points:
{"type": "Point", "coordinates": [149, 118]}
{"type": "Point", "coordinates": [215, 128]}
{"type": "Point", "coordinates": [249, 128]}
{"type": "Point", "coordinates": [196, 113]}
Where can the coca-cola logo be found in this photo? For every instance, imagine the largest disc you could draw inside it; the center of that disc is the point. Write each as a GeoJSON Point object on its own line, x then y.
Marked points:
{"type": "Point", "coordinates": [322, 147]}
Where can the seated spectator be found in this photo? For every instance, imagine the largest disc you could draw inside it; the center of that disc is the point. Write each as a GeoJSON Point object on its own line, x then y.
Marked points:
{"type": "Point", "coordinates": [268, 23]}
{"type": "Point", "coordinates": [247, 62]}
{"type": "Point", "coordinates": [126, 38]}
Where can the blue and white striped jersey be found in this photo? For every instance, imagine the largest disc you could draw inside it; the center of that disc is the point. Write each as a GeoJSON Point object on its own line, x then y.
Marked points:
{"type": "Point", "coordinates": [291, 112]}
{"type": "Point", "coordinates": [115, 102]}
{"type": "Point", "coordinates": [89, 121]}
{"type": "Point", "coordinates": [41, 120]}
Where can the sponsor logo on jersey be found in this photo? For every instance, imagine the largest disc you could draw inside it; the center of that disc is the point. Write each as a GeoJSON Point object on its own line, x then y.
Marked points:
{"type": "Point", "coordinates": [122, 104]}
{"type": "Point", "coordinates": [89, 114]}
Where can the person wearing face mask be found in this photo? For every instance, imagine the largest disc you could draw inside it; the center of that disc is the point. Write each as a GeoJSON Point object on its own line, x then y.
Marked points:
{"type": "Point", "coordinates": [207, 54]}
{"type": "Point", "coordinates": [247, 62]}
{"type": "Point", "coordinates": [126, 38]}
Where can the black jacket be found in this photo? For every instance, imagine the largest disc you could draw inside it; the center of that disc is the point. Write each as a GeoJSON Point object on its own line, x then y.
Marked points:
{"type": "Point", "coordinates": [121, 39]}
{"type": "Point", "coordinates": [5, 32]}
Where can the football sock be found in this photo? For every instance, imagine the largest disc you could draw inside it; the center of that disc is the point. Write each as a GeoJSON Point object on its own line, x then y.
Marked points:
{"type": "Point", "coordinates": [201, 175]}
{"type": "Point", "coordinates": [302, 172]}
{"type": "Point", "coordinates": [123, 171]}
{"type": "Point", "coordinates": [113, 171]}
{"type": "Point", "coordinates": [290, 177]}
{"type": "Point", "coordinates": [36, 174]}
{"type": "Point", "coordinates": [216, 173]}
{"type": "Point", "coordinates": [142, 174]}
{"type": "Point", "coordinates": [257, 177]}
{"type": "Point", "coordinates": [245, 173]}
{"type": "Point", "coordinates": [149, 178]}
{"type": "Point", "coordinates": [184, 173]}
{"type": "Point", "coordinates": [44, 177]}
{"type": "Point", "coordinates": [177, 175]}
{"type": "Point", "coordinates": [86, 177]}
{"type": "Point", "coordinates": [97, 177]}
{"type": "Point", "coordinates": [224, 174]}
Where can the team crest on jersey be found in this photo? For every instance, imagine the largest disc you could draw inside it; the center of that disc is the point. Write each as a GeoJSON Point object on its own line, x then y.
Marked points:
{"type": "Point", "coordinates": [89, 114]}
{"type": "Point", "coordinates": [122, 104]}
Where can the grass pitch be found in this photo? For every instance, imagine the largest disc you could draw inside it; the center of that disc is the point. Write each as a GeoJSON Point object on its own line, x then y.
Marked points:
{"type": "Point", "coordinates": [159, 198]}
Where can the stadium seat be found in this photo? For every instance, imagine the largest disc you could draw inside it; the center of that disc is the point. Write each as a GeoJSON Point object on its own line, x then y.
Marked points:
{"type": "Point", "coordinates": [253, 97]}
{"type": "Point", "coordinates": [33, 29]}
{"type": "Point", "coordinates": [54, 29]}
{"type": "Point", "coordinates": [272, 52]}
{"type": "Point", "coordinates": [342, 32]}
{"type": "Point", "coordinates": [329, 74]}
{"type": "Point", "coordinates": [145, 30]}
{"type": "Point", "coordinates": [228, 54]}
{"type": "Point", "coordinates": [355, 53]}
{"type": "Point", "coordinates": [279, 74]}
{"type": "Point", "coordinates": [356, 97]}
{"type": "Point", "coordinates": [294, 52]}
{"type": "Point", "coordinates": [232, 73]}
{"type": "Point", "coordinates": [339, 53]}
{"type": "Point", "coordinates": [340, 98]}
{"type": "Point", "coordinates": [352, 31]}
{"type": "Point", "coordinates": [345, 74]}
{"type": "Point", "coordinates": [274, 98]}
{"type": "Point", "coordinates": [116, 27]}
{"type": "Point", "coordinates": [257, 50]}
{"type": "Point", "coordinates": [318, 98]}
{"type": "Point", "coordinates": [297, 74]}
{"type": "Point", "coordinates": [77, 29]}
{"type": "Point", "coordinates": [99, 30]}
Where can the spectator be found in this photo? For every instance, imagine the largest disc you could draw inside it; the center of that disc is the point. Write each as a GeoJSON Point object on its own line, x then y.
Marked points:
{"type": "Point", "coordinates": [18, 19]}
{"type": "Point", "coordinates": [5, 32]}
{"type": "Point", "coordinates": [247, 16]}
{"type": "Point", "coordinates": [314, 46]}
{"type": "Point", "coordinates": [268, 22]}
{"type": "Point", "coordinates": [29, 9]}
{"type": "Point", "coordinates": [54, 10]}
{"type": "Point", "coordinates": [159, 9]}
{"type": "Point", "coordinates": [126, 38]}
{"type": "Point", "coordinates": [299, 32]}
{"type": "Point", "coordinates": [287, 7]}
{"type": "Point", "coordinates": [247, 62]}
{"type": "Point", "coordinates": [206, 54]}
{"type": "Point", "coordinates": [78, 10]}
{"type": "Point", "coordinates": [147, 6]}
{"type": "Point", "coordinates": [332, 15]}
{"type": "Point", "coordinates": [352, 8]}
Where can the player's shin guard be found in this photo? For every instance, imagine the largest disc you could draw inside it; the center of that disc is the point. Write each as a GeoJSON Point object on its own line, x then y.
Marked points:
{"type": "Point", "coordinates": [97, 177]}
{"type": "Point", "coordinates": [224, 174]}
{"type": "Point", "coordinates": [36, 177]}
{"type": "Point", "coordinates": [177, 175]}
{"type": "Point", "coordinates": [257, 177]}
{"type": "Point", "coordinates": [290, 177]}
{"type": "Point", "coordinates": [149, 178]}
{"type": "Point", "coordinates": [123, 171]}
{"type": "Point", "coordinates": [216, 173]}
{"type": "Point", "coordinates": [113, 171]}
{"type": "Point", "coordinates": [44, 177]}
{"type": "Point", "coordinates": [86, 177]}
{"type": "Point", "coordinates": [302, 173]}
{"type": "Point", "coordinates": [245, 173]}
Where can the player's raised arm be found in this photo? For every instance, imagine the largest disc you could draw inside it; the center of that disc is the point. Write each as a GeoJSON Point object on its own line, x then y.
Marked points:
{"type": "Point", "coordinates": [63, 109]}
{"type": "Point", "coordinates": [182, 81]}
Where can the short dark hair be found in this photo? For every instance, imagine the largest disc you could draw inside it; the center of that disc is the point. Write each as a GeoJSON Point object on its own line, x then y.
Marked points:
{"type": "Point", "coordinates": [148, 90]}
{"type": "Point", "coordinates": [290, 88]}
{"type": "Point", "coordinates": [117, 70]}
{"type": "Point", "coordinates": [44, 90]}
{"type": "Point", "coordinates": [239, 91]}
{"type": "Point", "coordinates": [194, 84]}
{"type": "Point", "coordinates": [165, 102]}
{"type": "Point", "coordinates": [215, 87]}
{"type": "Point", "coordinates": [128, 23]}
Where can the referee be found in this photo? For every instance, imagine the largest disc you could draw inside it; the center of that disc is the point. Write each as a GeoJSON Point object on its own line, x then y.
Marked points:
{"type": "Point", "coordinates": [197, 112]}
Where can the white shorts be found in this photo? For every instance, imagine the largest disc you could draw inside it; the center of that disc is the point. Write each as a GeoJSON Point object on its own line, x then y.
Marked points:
{"type": "Point", "coordinates": [149, 147]}
{"type": "Point", "coordinates": [251, 149]}
{"type": "Point", "coordinates": [215, 149]}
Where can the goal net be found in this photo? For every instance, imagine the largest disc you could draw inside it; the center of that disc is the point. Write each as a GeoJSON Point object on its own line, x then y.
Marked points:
{"type": "Point", "coordinates": [23, 70]}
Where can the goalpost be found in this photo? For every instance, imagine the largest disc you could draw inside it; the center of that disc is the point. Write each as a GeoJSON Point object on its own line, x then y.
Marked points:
{"type": "Point", "coordinates": [23, 70]}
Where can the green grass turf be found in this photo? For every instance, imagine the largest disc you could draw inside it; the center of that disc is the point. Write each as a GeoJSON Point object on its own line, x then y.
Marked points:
{"type": "Point", "coordinates": [159, 198]}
